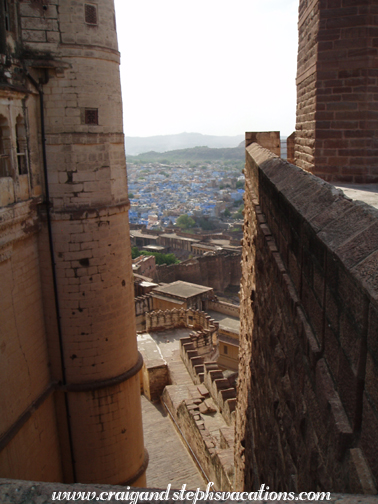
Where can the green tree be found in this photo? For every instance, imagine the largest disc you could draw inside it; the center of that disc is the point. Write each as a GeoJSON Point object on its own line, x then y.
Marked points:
{"type": "Point", "coordinates": [206, 225]}
{"type": "Point", "coordinates": [162, 258]}
{"type": "Point", "coordinates": [135, 252]}
{"type": "Point", "coordinates": [239, 214]}
{"type": "Point", "coordinates": [131, 195]}
{"type": "Point", "coordinates": [227, 213]}
{"type": "Point", "coordinates": [185, 222]}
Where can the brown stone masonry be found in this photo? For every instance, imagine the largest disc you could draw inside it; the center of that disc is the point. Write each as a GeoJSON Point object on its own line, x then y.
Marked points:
{"type": "Point", "coordinates": [337, 90]}
{"type": "Point", "coordinates": [307, 412]}
{"type": "Point", "coordinates": [67, 314]}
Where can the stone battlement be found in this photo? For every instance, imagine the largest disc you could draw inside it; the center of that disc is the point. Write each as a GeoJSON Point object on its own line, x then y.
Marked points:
{"type": "Point", "coordinates": [170, 319]}
{"type": "Point", "coordinates": [204, 371]}
{"type": "Point", "coordinates": [308, 346]}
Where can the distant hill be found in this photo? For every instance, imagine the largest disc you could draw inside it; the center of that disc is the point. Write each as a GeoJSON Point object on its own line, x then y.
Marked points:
{"type": "Point", "coordinates": [163, 143]}
{"type": "Point", "coordinates": [195, 155]}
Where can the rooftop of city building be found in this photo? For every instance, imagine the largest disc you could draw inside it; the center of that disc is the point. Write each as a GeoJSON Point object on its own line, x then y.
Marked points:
{"type": "Point", "coordinates": [182, 289]}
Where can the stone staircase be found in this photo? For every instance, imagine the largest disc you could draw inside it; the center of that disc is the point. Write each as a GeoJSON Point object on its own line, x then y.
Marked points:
{"type": "Point", "coordinates": [202, 370]}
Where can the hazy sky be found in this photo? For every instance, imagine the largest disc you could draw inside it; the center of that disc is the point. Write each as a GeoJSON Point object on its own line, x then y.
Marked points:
{"type": "Point", "coordinates": [217, 67]}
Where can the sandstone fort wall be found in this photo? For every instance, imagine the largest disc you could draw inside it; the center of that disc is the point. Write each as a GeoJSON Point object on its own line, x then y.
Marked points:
{"type": "Point", "coordinates": [225, 308]}
{"type": "Point", "coordinates": [307, 411]}
{"type": "Point", "coordinates": [72, 359]}
{"type": "Point", "coordinates": [218, 271]}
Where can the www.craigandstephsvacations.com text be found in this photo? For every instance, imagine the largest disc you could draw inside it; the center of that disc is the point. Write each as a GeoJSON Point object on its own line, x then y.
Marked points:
{"type": "Point", "coordinates": [209, 494]}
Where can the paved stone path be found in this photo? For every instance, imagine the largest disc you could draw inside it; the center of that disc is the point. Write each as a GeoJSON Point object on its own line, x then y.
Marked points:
{"type": "Point", "coordinates": [168, 343]}
{"type": "Point", "coordinates": [169, 459]}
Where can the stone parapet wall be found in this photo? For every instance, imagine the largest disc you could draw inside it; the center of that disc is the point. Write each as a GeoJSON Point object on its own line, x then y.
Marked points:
{"type": "Point", "coordinates": [203, 368]}
{"type": "Point", "coordinates": [215, 462]}
{"type": "Point", "coordinates": [267, 139]}
{"type": "Point", "coordinates": [196, 352]}
{"type": "Point", "coordinates": [202, 342]}
{"type": "Point", "coordinates": [308, 399]}
{"type": "Point", "coordinates": [221, 391]}
{"type": "Point", "coordinates": [225, 308]}
{"type": "Point", "coordinates": [170, 319]}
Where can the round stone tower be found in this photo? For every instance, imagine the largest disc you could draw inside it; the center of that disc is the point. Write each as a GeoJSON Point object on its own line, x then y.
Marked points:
{"type": "Point", "coordinates": [94, 357]}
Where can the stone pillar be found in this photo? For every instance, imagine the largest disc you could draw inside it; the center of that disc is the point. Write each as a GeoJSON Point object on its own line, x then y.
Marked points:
{"type": "Point", "coordinates": [89, 212]}
{"type": "Point", "coordinates": [337, 84]}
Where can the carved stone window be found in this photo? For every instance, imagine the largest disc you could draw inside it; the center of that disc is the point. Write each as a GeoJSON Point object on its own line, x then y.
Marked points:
{"type": "Point", "coordinates": [21, 143]}
{"type": "Point", "coordinates": [225, 350]}
{"type": "Point", "coordinates": [91, 116]}
{"type": "Point", "coordinates": [5, 148]}
{"type": "Point", "coordinates": [90, 14]}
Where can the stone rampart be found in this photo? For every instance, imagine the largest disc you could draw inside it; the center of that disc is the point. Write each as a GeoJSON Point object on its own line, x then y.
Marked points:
{"type": "Point", "coordinates": [308, 396]}
{"type": "Point", "coordinates": [218, 271]}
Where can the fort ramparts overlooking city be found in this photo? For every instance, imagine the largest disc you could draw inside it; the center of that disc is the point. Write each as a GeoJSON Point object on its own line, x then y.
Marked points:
{"type": "Point", "coordinates": [301, 412]}
{"type": "Point", "coordinates": [308, 320]}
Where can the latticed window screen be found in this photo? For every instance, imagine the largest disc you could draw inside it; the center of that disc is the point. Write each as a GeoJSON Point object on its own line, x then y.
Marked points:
{"type": "Point", "coordinates": [90, 14]}
{"type": "Point", "coordinates": [21, 144]}
{"type": "Point", "coordinates": [91, 116]}
{"type": "Point", "coordinates": [5, 149]}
